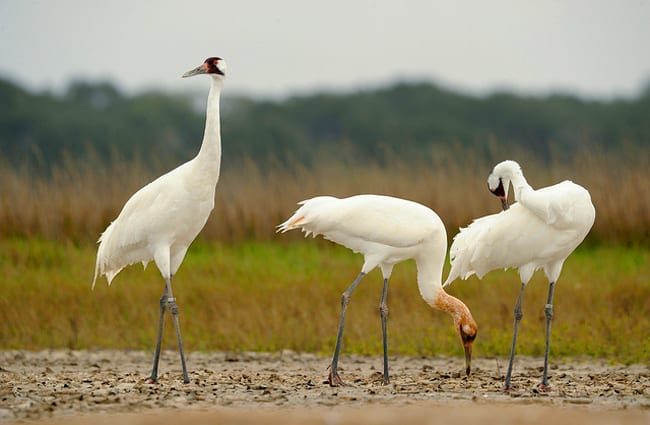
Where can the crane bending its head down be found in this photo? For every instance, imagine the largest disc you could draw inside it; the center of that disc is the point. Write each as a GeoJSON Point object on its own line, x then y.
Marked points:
{"type": "Point", "coordinates": [160, 221]}
{"type": "Point", "coordinates": [499, 180]}
{"type": "Point", "coordinates": [539, 231]}
{"type": "Point", "coordinates": [386, 231]}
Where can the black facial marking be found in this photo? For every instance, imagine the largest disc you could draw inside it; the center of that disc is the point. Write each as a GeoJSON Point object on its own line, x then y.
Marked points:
{"type": "Point", "coordinates": [499, 190]}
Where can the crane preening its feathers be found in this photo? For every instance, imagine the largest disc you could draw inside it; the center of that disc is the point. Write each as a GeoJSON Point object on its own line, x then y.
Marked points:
{"type": "Point", "coordinates": [386, 231]}
{"type": "Point", "coordinates": [539, 231]}
{"type": "Point", "coordinates": [160, 221]}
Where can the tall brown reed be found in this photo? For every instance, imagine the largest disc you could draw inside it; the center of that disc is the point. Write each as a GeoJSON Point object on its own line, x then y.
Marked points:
{"type": "Point", "coordinates": [80, 198]}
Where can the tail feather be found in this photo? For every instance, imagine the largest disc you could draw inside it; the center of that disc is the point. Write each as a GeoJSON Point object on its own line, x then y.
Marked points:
{"type": "Point", "coordinates": [95, 277]}
{"type": "Point", "coordinates": [291, 223]}
{"type": "Point", "coordinates": [305, 216]}
{"type": "Point", "coordinates": [99, 262]}
{"type": "Point", "coordinates": [106, 264]}
{"type": "Point", "coordinates": [460, 255]}
{"type": "Point", "coordinates": [466, 248]}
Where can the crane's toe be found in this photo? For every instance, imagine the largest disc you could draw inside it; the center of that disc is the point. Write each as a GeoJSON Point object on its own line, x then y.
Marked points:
{"type": "Point", "coordinates": [509, 390]}
{"type": "Point", "coordinates": [334, 379]}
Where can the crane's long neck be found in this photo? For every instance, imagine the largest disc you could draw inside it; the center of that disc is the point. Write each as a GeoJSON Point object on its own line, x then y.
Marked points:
{"type": "Point", "coordinates": [519, 184]}
{"type": "Point", "coordinates": [209, 157]}
{"type": "Point", "coordinates": [430, 284]}
{"type": "Point", "coordinates": [430, 273]}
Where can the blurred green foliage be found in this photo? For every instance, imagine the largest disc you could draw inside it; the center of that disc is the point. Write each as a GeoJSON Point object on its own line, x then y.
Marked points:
{"type": "Point", "coordinates": [97, 119]}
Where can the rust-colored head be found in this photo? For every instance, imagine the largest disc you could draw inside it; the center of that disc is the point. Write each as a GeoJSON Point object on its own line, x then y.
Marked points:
{"type": "Point", "coordinates": [467, 331]}
{"type": "Point", "coordinates": [213, 65]}
{"type": "Point", "coordinates": [464, 323]}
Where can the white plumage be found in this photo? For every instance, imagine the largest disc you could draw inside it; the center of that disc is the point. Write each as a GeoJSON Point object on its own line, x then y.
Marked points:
{"type": "Point", "coordinates": [160, 221]}
{"type": "Point", "coordinates": [386, 231]}
{"type": "Point", "coordinates": [539, 231]}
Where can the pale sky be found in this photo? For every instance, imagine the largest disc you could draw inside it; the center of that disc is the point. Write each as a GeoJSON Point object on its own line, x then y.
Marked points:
{"type": "Point", "coordinates": [592, 48]}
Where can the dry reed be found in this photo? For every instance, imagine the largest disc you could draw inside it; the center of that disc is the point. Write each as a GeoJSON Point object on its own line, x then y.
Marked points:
{"type": "Point", "coordinates": [78, 199]}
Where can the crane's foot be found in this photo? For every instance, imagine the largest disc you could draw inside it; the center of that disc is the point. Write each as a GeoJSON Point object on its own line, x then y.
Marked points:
{"type": "Point", "coordinates": [334, 379]}
{"type": "Point", "coordinates": [543, 387]}
{"type": "Point", "coordinates": [512, 392]}
{"type": "Point", "coordinates": [150, 381]}
{"type": "Point", "coordinates": [385, 380]}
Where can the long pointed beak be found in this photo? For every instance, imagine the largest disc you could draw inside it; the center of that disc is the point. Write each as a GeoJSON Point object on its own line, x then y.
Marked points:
{"type": "Point", "coordinates": [468, 358]}
{"type": "Point", "coordinates": [504, 203]}
{"type": "Point", "coordinates": [201, 69]}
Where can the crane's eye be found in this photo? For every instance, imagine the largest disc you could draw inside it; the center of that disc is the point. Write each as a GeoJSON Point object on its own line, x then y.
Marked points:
{"type": "Point", "coordinates": [465, 336]}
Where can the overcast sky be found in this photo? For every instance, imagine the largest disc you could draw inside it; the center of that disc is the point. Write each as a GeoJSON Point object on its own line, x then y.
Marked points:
{"type": "Point", "coordinates": [281, 47]}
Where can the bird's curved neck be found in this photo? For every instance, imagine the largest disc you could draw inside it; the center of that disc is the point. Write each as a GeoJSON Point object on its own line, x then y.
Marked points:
{"type": "Point", "coordinates": [519, 184]}
{"type": "Point", "coordinates": [210, 152]}
{"type": "Point", "coordinates": [431, 290]}
{"type": "Point", "coordinates": [430, 274]}
{"type": "Point", "coordinates": [451, 305]}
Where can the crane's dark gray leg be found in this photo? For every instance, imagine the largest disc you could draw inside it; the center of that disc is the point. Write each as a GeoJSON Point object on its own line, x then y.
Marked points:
{"type": "Point", "coordinates": [383, 311]}
{"type": "Point", "coordinates": [518, 315]}
{"type": "Point", "coordinates": [161, 321]}
{"type": "Point", "coordinates": [173, 308]}
{"type": "Point", "coordinates": [334, 378]}
{"type": "Point", "coordinates": [548, 311]}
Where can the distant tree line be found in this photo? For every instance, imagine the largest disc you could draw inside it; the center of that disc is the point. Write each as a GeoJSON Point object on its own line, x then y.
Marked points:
{"type": "Point", "coordinates": [96, 121]}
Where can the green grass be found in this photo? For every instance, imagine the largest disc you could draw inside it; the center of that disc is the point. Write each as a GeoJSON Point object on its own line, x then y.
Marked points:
{"type": "Point", "coordinates": [285, 294]}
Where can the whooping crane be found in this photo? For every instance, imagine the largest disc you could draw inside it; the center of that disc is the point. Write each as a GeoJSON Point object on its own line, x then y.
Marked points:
{"type": "Point", "coordinates": [386, 231]}
{"type": "Point", "coordinates": [539, 231]}
{"type": "Point", "coordinates": [160, 221]}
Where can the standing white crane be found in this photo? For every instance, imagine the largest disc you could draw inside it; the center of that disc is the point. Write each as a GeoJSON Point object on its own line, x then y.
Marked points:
{"type": "Point", "coordinates": [386, 231]}
{"type": "Point", "coordinates": [160, 221]}
{"type": "Point", "coordinates": [539, 231]}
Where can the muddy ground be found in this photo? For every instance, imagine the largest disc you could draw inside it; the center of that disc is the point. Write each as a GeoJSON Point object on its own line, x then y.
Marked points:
{"type": "Point", "coordinates": [109, 387]}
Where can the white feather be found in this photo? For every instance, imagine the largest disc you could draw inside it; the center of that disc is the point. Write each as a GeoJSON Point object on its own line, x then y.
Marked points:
{"type": "Point", "coordinates": [361, 220]}
{"type": "Point", "coordinates": [386, 231]}
{"type": "Point", "coordinates": [539, 231]}
{"type": "Point", "coordinates": [160, 221]}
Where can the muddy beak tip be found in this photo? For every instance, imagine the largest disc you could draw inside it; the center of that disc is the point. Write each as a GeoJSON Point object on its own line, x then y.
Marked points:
{"type": "Point", "coordinates": [468, 359]}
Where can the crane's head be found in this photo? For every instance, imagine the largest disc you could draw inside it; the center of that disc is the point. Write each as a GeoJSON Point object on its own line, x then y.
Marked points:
{"type": "Point", "coordinates": [464, 323]}
{"type": "Point", "coordinates": [499, 180]}
{"type": "Point", "coordinates": [467, 329]}
{"type": "Point", "coordinates": [214, 66]}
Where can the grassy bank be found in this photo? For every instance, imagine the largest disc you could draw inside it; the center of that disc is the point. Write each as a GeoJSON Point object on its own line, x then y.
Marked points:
{"type": "Point", "coordinates": [285, 294]}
